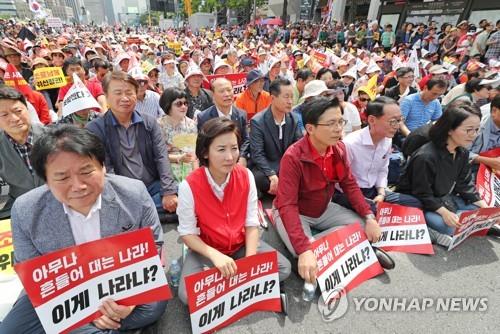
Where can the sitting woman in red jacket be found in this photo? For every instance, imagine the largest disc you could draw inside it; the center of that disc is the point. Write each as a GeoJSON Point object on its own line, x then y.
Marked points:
{"type": "Point", "coordinates": [217, 207]}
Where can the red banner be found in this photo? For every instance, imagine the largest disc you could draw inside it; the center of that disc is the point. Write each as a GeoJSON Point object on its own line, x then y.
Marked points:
{"type": "Point", "coordinates": [239, 81]}
{"type": "Point", "coordinates": [475, 223]}
{"type": "Point", "coordinates": [66, 286]}
{"type": "Point", "coordinates": [215, 302]}
{"type": "Point", "coordinates": [321, 58]}
{"type": "Point", "coordinates": [403, 229]}
{"type": "Point", "coordinates": [488, 181]}
{"type": "Point", "coordinates": [345, 260]}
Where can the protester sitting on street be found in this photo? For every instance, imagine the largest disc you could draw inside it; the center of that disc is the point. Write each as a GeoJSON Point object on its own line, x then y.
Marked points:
{"type": "Point", "coordinates": [439, 175]}
{"type": "Point", "coordinates": [254, 99]}
{"type": "Point", "coordinates": [17, 137]}
{"type": "Point", "coordinates": [175, 123]}
{"type": "Point", "coordinates": [79, 204]}
{"type": "Point", "coordinates": [134, 144]}
{"type": "Point", "coordinates": [476, 91]}
{"type": "Point", "coordinates": [220, 193]}
{"type": "Point", "coordinates": [421, 108]}
{"type": "Point", "coordinates": [272, 131]}
{"type": "Point", "coordinates": [302, 78]}
{"type": "Point", "coordinates": [198, 97]}
{"type": "Point", "coordinates": [310, 170]}
{"type": "Point", "coordinates": [223, 94]}
{"type": "Point", "coordinates": [405, 77]}
{"type": "Point", "coordinates": [350, 112]}
{"type": "Point", "coordinates": [369, 151]}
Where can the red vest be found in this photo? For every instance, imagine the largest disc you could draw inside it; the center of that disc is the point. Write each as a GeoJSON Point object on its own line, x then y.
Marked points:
{"type": "Point", "coordinates": [221, 224]}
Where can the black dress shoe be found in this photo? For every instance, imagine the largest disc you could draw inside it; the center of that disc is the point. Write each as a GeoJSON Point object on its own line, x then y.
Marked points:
{"type": "Point", "coordinates": [385, 260]}
{"type": "Point", "coordinates": [494, 231]}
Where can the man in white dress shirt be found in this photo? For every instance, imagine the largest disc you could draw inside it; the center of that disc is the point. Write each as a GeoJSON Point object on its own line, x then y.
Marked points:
{"type": "Point", "coordinates": [369, 151]}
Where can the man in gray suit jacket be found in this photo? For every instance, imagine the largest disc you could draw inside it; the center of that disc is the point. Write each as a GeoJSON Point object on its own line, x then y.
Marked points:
{"type": "Point", "coordinates": [17, 136]}
{"type": "Point", "coordinates": [78, 204]}
{"type": "Point", "coordinates": [272, 131]}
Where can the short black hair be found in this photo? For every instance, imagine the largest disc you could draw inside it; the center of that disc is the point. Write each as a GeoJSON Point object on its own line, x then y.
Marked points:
{"type": "Point", "coordinates": [376, 107]}
{"type": "Point", "coordinates": [315, 107]}
{"type": "Point", "coordinates": [71, 61]}
{"type": "Point", "coordinates": [473, 85]}
{"type": "Point", "coordinates": [436, 82]}
{"type": "Point", "coordinates": [322, 71]}
{"type": "Point", "coordinates": [118, 76]}
{"type": "Point", "coordinates": [275, 86]}
{"type": "Point", "coordinates": [9, 93]}
{"type": "Point", "coordinates": [495, 103]}
{"type": "Point", "coordinates": [303, 74]}
{"type": "Point", "coordinates": [453, 116]}
{"type": "Point", "coordinates": [101, 63]}
{"type": "Point", "coordinates": [168, 96]}
{"type": "Point", "coordinates": [402, 71]}
{"type": "Point", "coordinates": [209, 131]}
{"type": "Point", "coordinates": [65, 138]}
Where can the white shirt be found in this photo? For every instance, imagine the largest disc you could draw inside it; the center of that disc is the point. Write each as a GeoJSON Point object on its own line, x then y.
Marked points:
{"type": "Point", "coordinates": [85, 228]}
{"type": "Point", "coordinates": [221, 114]}
{"type": "Point", "coordinates": [351, 115]}
{"type": "Point", "coordinates": [280, 125]}
{"type": "Point", "coordinates": [369, 162]}
{"type": "Point", "coordinates": [188, 223]}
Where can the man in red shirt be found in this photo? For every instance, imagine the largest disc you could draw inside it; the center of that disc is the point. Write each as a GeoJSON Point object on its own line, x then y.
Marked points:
{"type": "Point", "coordinates": [74, 65]}
{"type": "Point", "coordinates": [309, 171]}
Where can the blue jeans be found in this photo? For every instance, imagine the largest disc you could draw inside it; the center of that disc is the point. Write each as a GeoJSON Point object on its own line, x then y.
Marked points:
{"type": "Point", "coordinates": [23, 319]}
{"type": "Point", "coordinates": [436, 222]}
{"type": "Point", "coordinates": [154, 191]}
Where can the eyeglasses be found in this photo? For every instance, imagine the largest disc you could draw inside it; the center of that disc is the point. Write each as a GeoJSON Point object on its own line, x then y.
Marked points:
{"type": "Point", "coordinates": [340, 123]}
{"type": "Point", "coordinates": [472, 132]}
{"type": "Point", "coordinates": [395, 122]}
{"type": "Point", "coordinates": [179, 104]}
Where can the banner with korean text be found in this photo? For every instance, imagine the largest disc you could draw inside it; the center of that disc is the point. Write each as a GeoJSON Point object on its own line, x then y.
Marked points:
{"type": "Point", "coordinates": [345, 260]}
{"type": "Point", "coordinates": [215, 302]}
{"type": "Point", "coordinates": [238, 80]}
{"type": "Point", "coordinates": [475, 223]}
{"type": "Point", "coordinates": [488, 180]}
{"type": "Point", "coordinates": [66, 286]}
{"type": "Point", "coordinates": [403, 229]}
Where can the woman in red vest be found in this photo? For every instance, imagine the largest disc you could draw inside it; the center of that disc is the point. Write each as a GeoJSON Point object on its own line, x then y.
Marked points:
{"type": "Point", "coordinates": [217, 207]}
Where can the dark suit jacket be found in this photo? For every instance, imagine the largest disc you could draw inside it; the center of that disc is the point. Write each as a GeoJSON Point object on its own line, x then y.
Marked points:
{"type": "Point", "coordinates": [151, 144]}
{"type": "Point", "coordinates": [14, 171]}
{"type": "Point", "coordinates": [266, 149]}
{"type": "Point", "coordinates": [239, 117]}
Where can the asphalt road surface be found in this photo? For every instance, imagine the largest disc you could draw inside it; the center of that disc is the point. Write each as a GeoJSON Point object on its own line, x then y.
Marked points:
{"type": "Point", "coordinates": [468, 274]}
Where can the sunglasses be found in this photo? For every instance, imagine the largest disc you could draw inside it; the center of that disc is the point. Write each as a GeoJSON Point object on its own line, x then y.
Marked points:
{"type": "Point", "coordinates": [362, 99]}
{"type": "Point", "coordinates": [179, 104]}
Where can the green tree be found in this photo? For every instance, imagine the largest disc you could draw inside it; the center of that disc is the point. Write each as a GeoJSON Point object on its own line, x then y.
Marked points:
{"type": "Point", "coordinates": [155, 18]}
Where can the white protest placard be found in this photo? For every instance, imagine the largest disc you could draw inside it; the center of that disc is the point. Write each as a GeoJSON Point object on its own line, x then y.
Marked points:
{"type": "Point", "coordinates": [215, 302]}
{"type": "Point", "coordinates": [78, 98]}
{"type": "Point", "coordinates": [474, 223]}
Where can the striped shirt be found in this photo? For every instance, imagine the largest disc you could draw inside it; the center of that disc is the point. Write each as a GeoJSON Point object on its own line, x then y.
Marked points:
{"type": "Point", "coordinates": [416, 113]}
{"type": "Point", "coordinates": [24, 150]}
{"type": "Point", "coordinates": [150, 105]}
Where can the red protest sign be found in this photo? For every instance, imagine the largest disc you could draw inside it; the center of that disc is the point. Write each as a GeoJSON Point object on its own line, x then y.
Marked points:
{"type": "Point", "coordinates": [345, 260]}
{"type": "Point", "coordinates": [13, 78]}
{"type": "Point", "coordinates": [403, 229]}
{"type": "Point", "coordinates": [215, 302]}
{"type": "Point", "coordinates": [238, 80]}
{"type": "Point", "coordinates": [66, 286]}
{"type": "Point", "coordinates": [474, 223]}
{"type": "Point", "coordinates": [320, 58]}
{"type": "Point", "coordinates": [488, 185]}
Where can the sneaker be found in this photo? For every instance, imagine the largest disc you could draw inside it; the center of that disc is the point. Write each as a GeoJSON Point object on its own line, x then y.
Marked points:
{"type": "Point", "coordinates": [440, 238]}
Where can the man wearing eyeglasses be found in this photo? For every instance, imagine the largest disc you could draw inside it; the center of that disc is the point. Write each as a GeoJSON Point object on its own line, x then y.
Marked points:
{"type": "Point", "coordinates": [310, 171]}
{"type": "Point", "coordinates": [369, 151]}
{"type": "Point", "coordinates": [405, 77]}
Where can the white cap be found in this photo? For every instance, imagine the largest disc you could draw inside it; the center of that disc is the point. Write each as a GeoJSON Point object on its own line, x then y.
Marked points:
{"type": "Point", "coordinates": [194, 70]}
{"type": "Point", "coordinates": [351, 73]}
{"type": "Point", "coordinates": [314, 88]}
{"type": "Point", "coordinates": [373, 67]}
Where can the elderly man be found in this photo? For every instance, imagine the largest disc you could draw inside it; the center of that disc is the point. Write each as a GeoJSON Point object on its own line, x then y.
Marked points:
{"type": "Point", "coordinates": [17, 136]}
{"type": "Point", "coordinates": [13, 56]}
{"type": "Point", "coordinates": [134, 144]}
{"type": "Point", "coordinates": [148, 102]}
{"type": "Point", "coordinates": [223, 94]}
{"type": "Point", "coordinates": [80, 203]}
{"type": "Point", "coordinates": [272, 132]}
{"type": "Point", "coordinates": [254, 98]}
{"type": "Point", "coordinates": [198, 98]}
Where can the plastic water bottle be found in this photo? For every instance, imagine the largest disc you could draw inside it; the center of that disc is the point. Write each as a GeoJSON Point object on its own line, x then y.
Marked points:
{"type": "Point", "coordinates": [175, 273]}
{"type": "Point", "coordinates": [308, 291]}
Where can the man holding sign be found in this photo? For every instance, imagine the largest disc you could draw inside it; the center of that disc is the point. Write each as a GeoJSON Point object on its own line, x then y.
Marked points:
{"type": "Point", "coordinates": [79, 204]}
{"type": "Point", "coordinates": [309, 172]}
